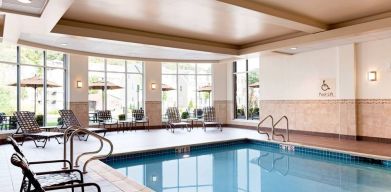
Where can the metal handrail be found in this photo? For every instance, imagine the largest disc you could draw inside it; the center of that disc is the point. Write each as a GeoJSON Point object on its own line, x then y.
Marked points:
{"type": "Point", "coordinates": [82, 130]}
{"type": "Point", "coordinates": [259, 126]}
{"type": "Point", "coordinates": [287, 128]}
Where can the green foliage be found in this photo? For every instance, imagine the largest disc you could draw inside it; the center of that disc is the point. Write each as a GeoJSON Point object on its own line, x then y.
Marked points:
{"type": "Point", "coordinates": [6, 101]}
{"type": "Point", "coordinates": [253, 77]}
{"type": "Point", "coordinates": [185, 115]}
{"type": "Point", "coordinates": [39, 119]}
{"type": "Point", "coordinates": [190, 105]}
{"type": "Point", "coordinates": [121, 117]}
{"type": "Point", "coordinates": [59, 121]}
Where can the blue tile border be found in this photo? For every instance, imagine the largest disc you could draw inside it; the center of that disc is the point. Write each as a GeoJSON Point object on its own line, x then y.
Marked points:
{"type": "Point", "coordinates": [298, 150]}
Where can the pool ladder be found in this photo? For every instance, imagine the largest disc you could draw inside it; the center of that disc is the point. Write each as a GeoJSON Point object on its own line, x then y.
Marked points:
{"type": "Point", "coordinates": [274, 126]}
{"type": "Point", "coordinates": [69, 135]}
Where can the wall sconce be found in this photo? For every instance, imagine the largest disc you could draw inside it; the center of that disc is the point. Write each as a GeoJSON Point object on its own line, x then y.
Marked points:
{"type": "Point", "coordinates": [79, 84]}
{"type": "Point", "coordinates": [372, 76]}
{"type": "Point", "coordinates": [153, 86]}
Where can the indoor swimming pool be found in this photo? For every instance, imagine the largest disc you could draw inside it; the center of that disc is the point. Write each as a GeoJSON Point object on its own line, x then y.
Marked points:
{"type": "Point", "coordinates": [253, 166]}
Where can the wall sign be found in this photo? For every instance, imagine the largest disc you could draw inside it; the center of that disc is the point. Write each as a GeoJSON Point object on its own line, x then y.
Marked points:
{"type": "Point", "coordinates": [327, 88]}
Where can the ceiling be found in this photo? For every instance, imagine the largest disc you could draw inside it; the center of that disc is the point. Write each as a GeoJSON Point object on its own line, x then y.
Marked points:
{"type": "Point", "coordinates": [196, 29]}
{"type": "Point", "coordinates": [34, 8]}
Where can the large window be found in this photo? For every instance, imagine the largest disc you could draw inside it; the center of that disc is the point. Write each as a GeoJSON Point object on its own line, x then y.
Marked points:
{"type": "Point", "coordinates": [246, 88]}
{"type": "Point", "coordinates": [187, 86]}
{"type": "Point", "coordinates": [24, 72]}
{"type": "Point", "coordinates": [115, 85]}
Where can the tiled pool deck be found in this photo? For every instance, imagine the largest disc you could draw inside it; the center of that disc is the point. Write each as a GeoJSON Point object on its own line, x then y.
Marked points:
{"type": "Point", "coordinates": [112, 181]}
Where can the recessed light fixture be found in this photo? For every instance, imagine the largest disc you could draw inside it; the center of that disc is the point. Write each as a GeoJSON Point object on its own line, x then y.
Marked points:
{"type": "Point", "coordinates": [25, 1]}
{"type": "Point", "coordinates": [293, 48]}
{"type": "Point", "coordinates": [64, 44]}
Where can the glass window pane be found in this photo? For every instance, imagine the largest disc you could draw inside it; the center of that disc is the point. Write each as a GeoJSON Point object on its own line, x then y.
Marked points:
{"type": "Point", "coordinates": [169, 92]}
{"type": "Point", "coordinates": [169, 68]}
{"type": "Point", "coordinates": [253, 88]}
{"type": "Point", "coordinates": [204, 91]}
{"type": "Point", "coordinates": [96, 63]}
{"type": "Point", "coordinates": [54, 59]}
{"type": "Point", "coordinates": [186, 68]}
{"type": "Point", "coordinates": [95, 94]}
{"type": "Point", "coordinates": [7, 94]}
{"type": "Point", "coordinates": [186, 94]}
{"type": "Point", "coordinates": [8, 52]}
{"type": "Point", "coordinates": [241, 66]}
{"type": "Point", "coordinates": [31, 56]}
{"type": "Point", "coordinates": [116, 65]}
{"type": "Point", "coordinates": [240, 96]}
{"type": "Point", "coordinates": [135, 92]}
{"type": "Point", "coordinates": [116, 93]}
{"type": "Point", "coordinates": [31, 96]}
{"type": "Point", "coordinates": [204, 68]}
{"type": "Point", "coordinates": [135, 66]}
{"type": "Point", "coordinates": [54, 95]}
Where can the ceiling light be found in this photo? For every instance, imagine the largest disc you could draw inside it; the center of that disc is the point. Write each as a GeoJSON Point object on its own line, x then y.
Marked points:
{"type": "Point", "coordinates": [25, 1]}
{"type": "Point", "coordinates": [64, 44]}
{"type": "Point", "coordinates": [293, 48]}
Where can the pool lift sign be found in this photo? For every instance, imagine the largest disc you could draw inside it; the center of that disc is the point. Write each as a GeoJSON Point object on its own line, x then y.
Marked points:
{"type": "Point", "coordinates": [327, 88]}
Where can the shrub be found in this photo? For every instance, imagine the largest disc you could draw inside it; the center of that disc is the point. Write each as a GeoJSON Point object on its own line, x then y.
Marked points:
{"type": "Point", "coordinates": [121, 117]}
{"type": "Point", "coordinates": [185, 115]}
{"type": "Point", "coordinates": [39, 119]}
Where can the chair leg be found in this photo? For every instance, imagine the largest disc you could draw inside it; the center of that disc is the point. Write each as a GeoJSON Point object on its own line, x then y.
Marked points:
{"type": "Point", "coordinates": [58, 140]}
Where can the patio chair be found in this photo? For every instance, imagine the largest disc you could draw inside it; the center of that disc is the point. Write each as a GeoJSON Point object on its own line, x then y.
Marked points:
{"type": "Point", "coordinates": [210, 119]}
{"type": "Point", "coordinates": [69, 119]}
{"type": "Point", "coordinates": [104, 118]}
{"type": "Point", "coordinates": [29, 128]}
{"type": "Point", "coordinates": [140, 118]}
{"type": "Point", "coordinates": [174, 120]}
{"type": "Point", "coordinates": [49, 180]}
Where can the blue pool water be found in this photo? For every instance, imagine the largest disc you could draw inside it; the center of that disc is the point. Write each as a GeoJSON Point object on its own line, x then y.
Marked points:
{"type": "Point", "coordinates": [254, 168]}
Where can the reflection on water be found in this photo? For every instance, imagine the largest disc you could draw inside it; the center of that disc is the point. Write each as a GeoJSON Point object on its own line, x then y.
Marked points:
{"type": "Point", "coordinates": [250, 168]}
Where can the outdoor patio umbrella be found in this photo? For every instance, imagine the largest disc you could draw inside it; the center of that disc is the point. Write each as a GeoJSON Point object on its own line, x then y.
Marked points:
{"type": "Point", "coordinates": [206, 89]}
{"type": "Point", "coordinates": [167, 87]}
{"type": "Point", "coordinates": [35, 82]}
{"type": "Point", "coordinates": [254, 85]}
{"type": "Point", "coordinates": [100, 85]}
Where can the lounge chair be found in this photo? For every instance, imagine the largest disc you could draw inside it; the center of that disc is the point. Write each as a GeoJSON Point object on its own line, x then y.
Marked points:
{"type": "Point", "coordinates": [105, 119]}
{"type": "Point", "coordinates": [175, 121]}
{"type": "Point", "coordinates": [140, 118]}
{"type": "Point", "coordinates": [29, 128]}
{"type": "Point", "coordinates": [49, 180]}
{"type": "Point", "coordinates": [210, 119]}
{"type": "Point", "coordinates": [69, 119]}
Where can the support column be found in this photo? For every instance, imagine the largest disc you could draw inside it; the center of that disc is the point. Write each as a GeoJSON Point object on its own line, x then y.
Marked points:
{"type": "Point", "coordinates": [153, 104]}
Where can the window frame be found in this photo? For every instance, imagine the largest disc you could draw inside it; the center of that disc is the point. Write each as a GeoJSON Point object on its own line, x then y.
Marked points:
{"type": "Point", "coordinates": [105, 71]}
{"type": "Point", "coordinates": [45, 68]}
{"type": "Point", "coordinates": [195, 75]}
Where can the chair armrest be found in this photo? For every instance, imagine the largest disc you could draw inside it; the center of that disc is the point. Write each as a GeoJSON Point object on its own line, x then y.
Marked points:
{"type": "Point", "coordinates": [61, 171]}
{"type": "Point", "coordinates": [72, 186]}
{"type": "Point", "coordinates": [51, 161]}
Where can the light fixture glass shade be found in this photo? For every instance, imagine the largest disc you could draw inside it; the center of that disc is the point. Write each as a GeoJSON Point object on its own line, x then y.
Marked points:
{"type": "Point", "coordinates": [153, 86]}
{"type": "Point", "coordinates": [79, 84]}
{"type": "Point", "coordinates": [372, 76]}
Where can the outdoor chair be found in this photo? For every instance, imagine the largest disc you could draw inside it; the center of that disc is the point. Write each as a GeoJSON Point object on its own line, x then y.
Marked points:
{"type": "Point", "coordinates": [69, 119]}
{"type": "Point", "coordinates": [29, 128]}
{"type": "Point", "coordinates": [49, 180]}
{"type": "Point", "coordinates": [104, 118]}
{"type": "Point", "coordinates": [175, 121]}
{"type": "Point", "coordinates": [210, 119]}
{"type": "Point", "coordinates": [140, 118]}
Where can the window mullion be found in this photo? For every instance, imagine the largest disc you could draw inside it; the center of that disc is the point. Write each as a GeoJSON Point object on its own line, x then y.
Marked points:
{"type": "Point", "coordinates": [44, 89]}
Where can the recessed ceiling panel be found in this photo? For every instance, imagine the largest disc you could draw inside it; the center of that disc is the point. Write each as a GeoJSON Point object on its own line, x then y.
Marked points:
{"type": "Point", "coordinates": [35, 7]}
{"type": "Point", "coordinates": [331, 11]}
{"type": "Point", "coordinates": [117, 48]}
{"type": "Point", "coordinates": [198, 19]}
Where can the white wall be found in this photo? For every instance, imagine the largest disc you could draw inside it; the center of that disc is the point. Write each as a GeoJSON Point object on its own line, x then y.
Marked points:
{"type": "Point", "coordinates": [153, 72]}
{"type": "Point", "coordinates": [296, 77]}
{"type": "Point", "coordinates": [374, 56]}
{"type": "Point", "coordinates": [78, 71]}
{"type": "Point", "coordinates": [219, 81]}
